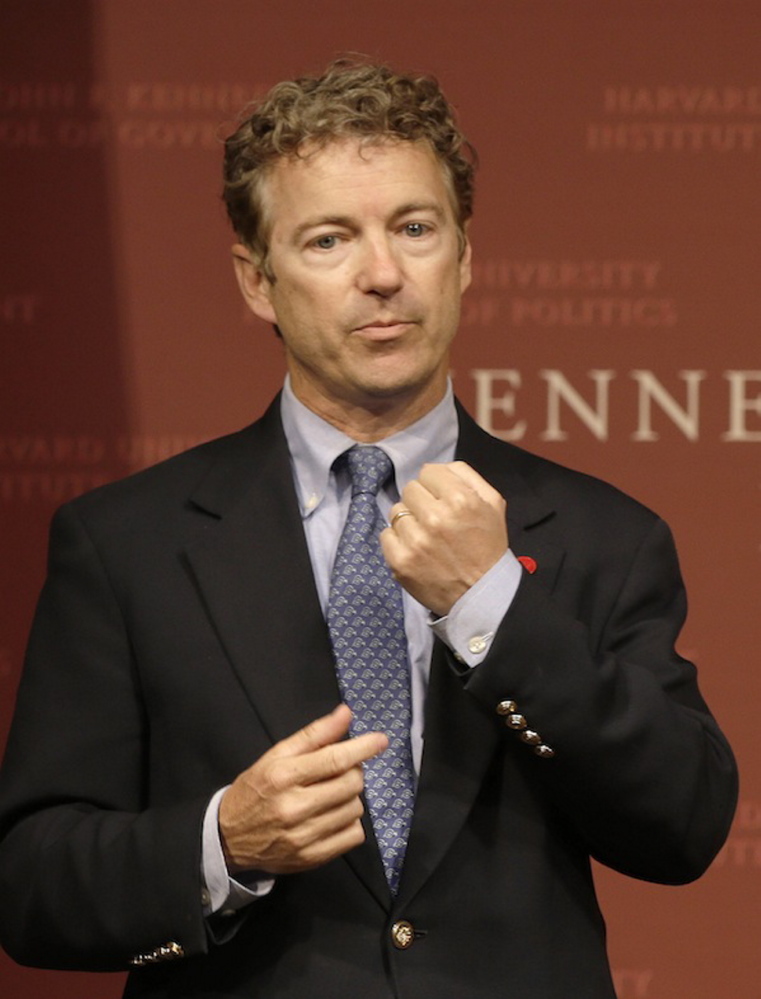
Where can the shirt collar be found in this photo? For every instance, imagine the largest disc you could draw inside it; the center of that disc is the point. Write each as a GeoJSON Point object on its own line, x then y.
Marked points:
{"type": "Point", "coordinates": [314, 445]}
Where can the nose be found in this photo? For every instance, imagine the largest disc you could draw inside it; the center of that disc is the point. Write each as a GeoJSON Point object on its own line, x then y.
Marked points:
{"type": "Point", "coordinates": [380, 272]}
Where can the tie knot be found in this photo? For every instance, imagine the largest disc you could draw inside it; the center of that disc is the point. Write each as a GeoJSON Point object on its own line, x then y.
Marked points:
{"type": "Point", "coordinates": [369, 468]}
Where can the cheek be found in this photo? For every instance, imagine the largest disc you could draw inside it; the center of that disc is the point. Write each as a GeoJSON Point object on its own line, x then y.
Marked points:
{"type": "Point", "coordinates": [311, 323]}
{"type": "Point", "coordinates": [450, 292]}
{"type": "Point", "coordinates": [292, 304]}
{"type": "Point", "coordinates": [314, 297]}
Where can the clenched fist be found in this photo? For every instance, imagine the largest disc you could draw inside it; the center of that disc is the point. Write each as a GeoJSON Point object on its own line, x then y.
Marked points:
{"type": "Point", "coordinates": [456, 531]}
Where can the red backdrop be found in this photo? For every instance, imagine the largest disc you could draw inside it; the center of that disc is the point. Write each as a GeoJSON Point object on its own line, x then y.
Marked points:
{"type": "Point", "coordinates": [613, 323]}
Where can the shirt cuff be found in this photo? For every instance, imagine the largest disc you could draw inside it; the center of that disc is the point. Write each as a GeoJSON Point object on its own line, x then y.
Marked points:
{"type": "Point", "coordinates": [470, 625]}
{"type": "Point", "coordinates": [222, 892]}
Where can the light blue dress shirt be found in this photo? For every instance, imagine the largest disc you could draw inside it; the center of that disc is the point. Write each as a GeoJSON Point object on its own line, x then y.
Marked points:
{"type": "Point", "coordinates": [324, 499]}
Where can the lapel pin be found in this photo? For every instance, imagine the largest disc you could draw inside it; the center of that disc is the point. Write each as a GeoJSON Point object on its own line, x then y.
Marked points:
{"type": "Point", "coordinates": [528, 563]}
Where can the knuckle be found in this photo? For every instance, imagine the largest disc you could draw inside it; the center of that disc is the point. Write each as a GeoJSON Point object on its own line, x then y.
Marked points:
{"type": "Point", "coordinates": [358, 832]}
{"type": "Point", "coordinates": [461, 500]}
{"type": "Point", "coordinates": [298, 840]}
{"type": "Point", "coordinates": [334, 761]}
{"type": "Point", "coordinates": [433, 520]}
{"type": "Point", "coordinates": [353, 784]}
{"type": "Point", "coordinates": [357, 777]}
{"type": "Point", "coordinates": [357, 809]}
{"type": "Point", "coordinates": [280, 812]}
{"type": "Point", "coordinates": [274, 779]}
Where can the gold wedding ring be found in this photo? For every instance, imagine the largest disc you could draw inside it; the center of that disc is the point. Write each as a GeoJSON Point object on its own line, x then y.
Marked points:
{"type": "Point", "coordinates": [397, 516]}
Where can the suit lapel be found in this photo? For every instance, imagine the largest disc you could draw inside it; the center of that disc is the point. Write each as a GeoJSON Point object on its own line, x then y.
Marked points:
{"type": "Point", "coordinates": [254, 576]}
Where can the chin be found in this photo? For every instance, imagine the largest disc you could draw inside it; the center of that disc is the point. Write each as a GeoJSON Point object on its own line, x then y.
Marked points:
{"type": "Point", "coordinates": [390, 389]}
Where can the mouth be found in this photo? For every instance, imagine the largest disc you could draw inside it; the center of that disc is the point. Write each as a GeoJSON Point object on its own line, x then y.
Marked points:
{"type": "Point", "coordinates": [384, 330]}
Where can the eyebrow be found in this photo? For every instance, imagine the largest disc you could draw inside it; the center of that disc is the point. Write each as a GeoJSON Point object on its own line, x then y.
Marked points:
{"type": "Point", "coordinates": [420, 206]}
{"type": "Point", "coordinates": [348, 222]}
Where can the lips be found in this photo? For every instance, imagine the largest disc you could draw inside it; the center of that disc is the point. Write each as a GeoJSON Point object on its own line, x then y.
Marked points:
{"type": "Point", "coordinates": [387, 329]}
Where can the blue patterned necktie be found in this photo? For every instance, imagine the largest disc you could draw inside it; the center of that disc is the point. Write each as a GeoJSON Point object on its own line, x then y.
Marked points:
{"type": "Point", "coordinates": [366, 622]}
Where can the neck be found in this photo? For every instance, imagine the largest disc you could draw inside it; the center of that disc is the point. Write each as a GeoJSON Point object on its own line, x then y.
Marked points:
{"type": "Point", "coordinates": [370, 420]}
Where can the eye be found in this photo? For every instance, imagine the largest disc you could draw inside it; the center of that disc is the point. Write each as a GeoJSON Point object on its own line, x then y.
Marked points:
{"type": "Point", "coordinates": [325, 242]}
{"type": "Point", "coordinates": [416, 229]}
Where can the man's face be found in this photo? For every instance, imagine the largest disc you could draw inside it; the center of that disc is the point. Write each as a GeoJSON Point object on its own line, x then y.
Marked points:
{"type": "Point", "coordinates": [368, 274]}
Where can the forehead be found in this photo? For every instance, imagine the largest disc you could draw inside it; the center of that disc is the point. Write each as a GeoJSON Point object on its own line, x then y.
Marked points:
{"type": "Point", "coordinates": [355, 176]}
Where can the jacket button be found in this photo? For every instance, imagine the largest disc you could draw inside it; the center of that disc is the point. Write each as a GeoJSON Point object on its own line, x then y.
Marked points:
{"type": "Point", "coordinates": [506, 707]}
{"type": "Point", "coordinates": [402, 934]}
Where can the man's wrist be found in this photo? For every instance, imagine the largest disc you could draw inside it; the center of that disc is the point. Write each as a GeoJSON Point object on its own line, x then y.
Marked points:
{"type": "Point", "coordinates": [221, 891]}
{"type": "Point", "coordinates": [469, 627]}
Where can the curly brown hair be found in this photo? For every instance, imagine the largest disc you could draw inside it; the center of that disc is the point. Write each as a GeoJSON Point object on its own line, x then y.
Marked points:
{"type": "Point", "coordinates": [351, 99]}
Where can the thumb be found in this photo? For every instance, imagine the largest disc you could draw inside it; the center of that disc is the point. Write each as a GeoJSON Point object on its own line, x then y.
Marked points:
{"type": "Point", "coordinates": [321, 732]}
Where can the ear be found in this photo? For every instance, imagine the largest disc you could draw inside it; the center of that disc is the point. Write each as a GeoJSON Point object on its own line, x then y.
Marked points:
{"type": "Point", "coordinates": [465, 269]}
{"type": "Point", "coordinates": [254, 284]}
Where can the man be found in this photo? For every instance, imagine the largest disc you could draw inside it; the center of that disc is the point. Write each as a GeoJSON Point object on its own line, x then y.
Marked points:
{"type": "Point", "coordinates": [179, 794]}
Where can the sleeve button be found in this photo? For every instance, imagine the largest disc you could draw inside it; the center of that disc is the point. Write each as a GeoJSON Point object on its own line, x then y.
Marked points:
{"type": "Point", "coordinates": [515, 721]}
{"type": "Point", "coordinates": [506, 707]}
{"type": "Point", "coordinates": [530, 737]}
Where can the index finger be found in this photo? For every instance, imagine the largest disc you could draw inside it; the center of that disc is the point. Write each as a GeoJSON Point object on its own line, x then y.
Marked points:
{"type": "Point", "coordinates": [332, 761]}
{"type": "Point", "coordinates": [321, 749]}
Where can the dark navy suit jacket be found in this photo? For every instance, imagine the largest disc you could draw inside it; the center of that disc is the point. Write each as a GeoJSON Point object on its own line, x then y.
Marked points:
{"type": "Point", "coordinates": [179, 635]}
